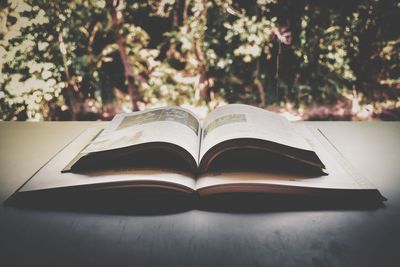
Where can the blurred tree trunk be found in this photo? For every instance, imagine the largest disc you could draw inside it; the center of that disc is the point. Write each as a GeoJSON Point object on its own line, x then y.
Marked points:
{"type": "Point", "coordinates": [257, 81]}
{"type": "Point", "coordinates": [186, 4]}
{"type": "Point", "coordinates": [72, 88]}
{"type": "Point", "coordinates": [259, 85]}
{"type": "Point", "coordinates": [199, 46]}
{"type": "Point", "coordinates": [116, 20]}
{"type": "Point", "coordinates": [175, 15]}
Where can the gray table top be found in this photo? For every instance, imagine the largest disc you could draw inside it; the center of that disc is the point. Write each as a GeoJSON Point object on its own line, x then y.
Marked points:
{"type": "Point", "coordinates": [331, 237]}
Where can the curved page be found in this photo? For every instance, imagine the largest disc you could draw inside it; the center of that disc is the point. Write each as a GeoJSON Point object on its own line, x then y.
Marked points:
{"type": "Point", "coordinates": [50, 176]}
{"type": "Point", "coordinates": [242, 121]}
{"type": "Point", "coordinates": [341, 175]}
{"type": "Point", "coordinates": [170, 124]}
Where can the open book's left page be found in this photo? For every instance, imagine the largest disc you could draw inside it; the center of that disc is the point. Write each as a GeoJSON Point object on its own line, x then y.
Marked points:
{"type": "Point", "coordinates": [51, 177]}
{"type": "Point", "coordinates": [157, 131]}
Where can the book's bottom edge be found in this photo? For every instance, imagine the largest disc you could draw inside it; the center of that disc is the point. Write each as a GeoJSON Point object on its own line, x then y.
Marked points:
{"type": "Point", "coordinates": [296, 191]}
{"type": "Point", "coordinates": [146, 201]}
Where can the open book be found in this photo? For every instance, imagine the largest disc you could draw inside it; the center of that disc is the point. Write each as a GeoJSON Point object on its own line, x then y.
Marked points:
{"type": "Point", "coordinates": [173, 138]}
{"type": "Point", "coordinates": [237, 148]}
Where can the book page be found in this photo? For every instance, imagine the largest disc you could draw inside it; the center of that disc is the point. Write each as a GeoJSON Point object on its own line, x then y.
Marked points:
{"type": "Point", "coordinates": [341, 175]}
{"type": "Point", "coordinates": [50, 177]}
{"type": "Point", "coordinates": [170, 124]}
{"type": "Point", "coordinates": [242, 121]}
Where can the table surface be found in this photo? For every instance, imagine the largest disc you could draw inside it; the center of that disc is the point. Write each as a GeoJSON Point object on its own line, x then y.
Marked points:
{"type": "Point", "coordinates": [325, 237]}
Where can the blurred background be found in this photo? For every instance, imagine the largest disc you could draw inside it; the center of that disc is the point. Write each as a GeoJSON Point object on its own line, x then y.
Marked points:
{"type": "Point", "coordinates": [307, 59]}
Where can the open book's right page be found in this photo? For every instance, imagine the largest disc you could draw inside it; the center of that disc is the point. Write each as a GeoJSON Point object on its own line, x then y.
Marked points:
{"type": "Point", "coordinates": [242, 121]}
{"type": "Point", "coordinates": [340, 174]}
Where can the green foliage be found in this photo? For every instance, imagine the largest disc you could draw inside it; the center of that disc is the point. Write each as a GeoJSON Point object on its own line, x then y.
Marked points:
{"type": "Point", "coordinates": [324, 53]}
{"type": "Point", "coordinates": [65, 59]}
